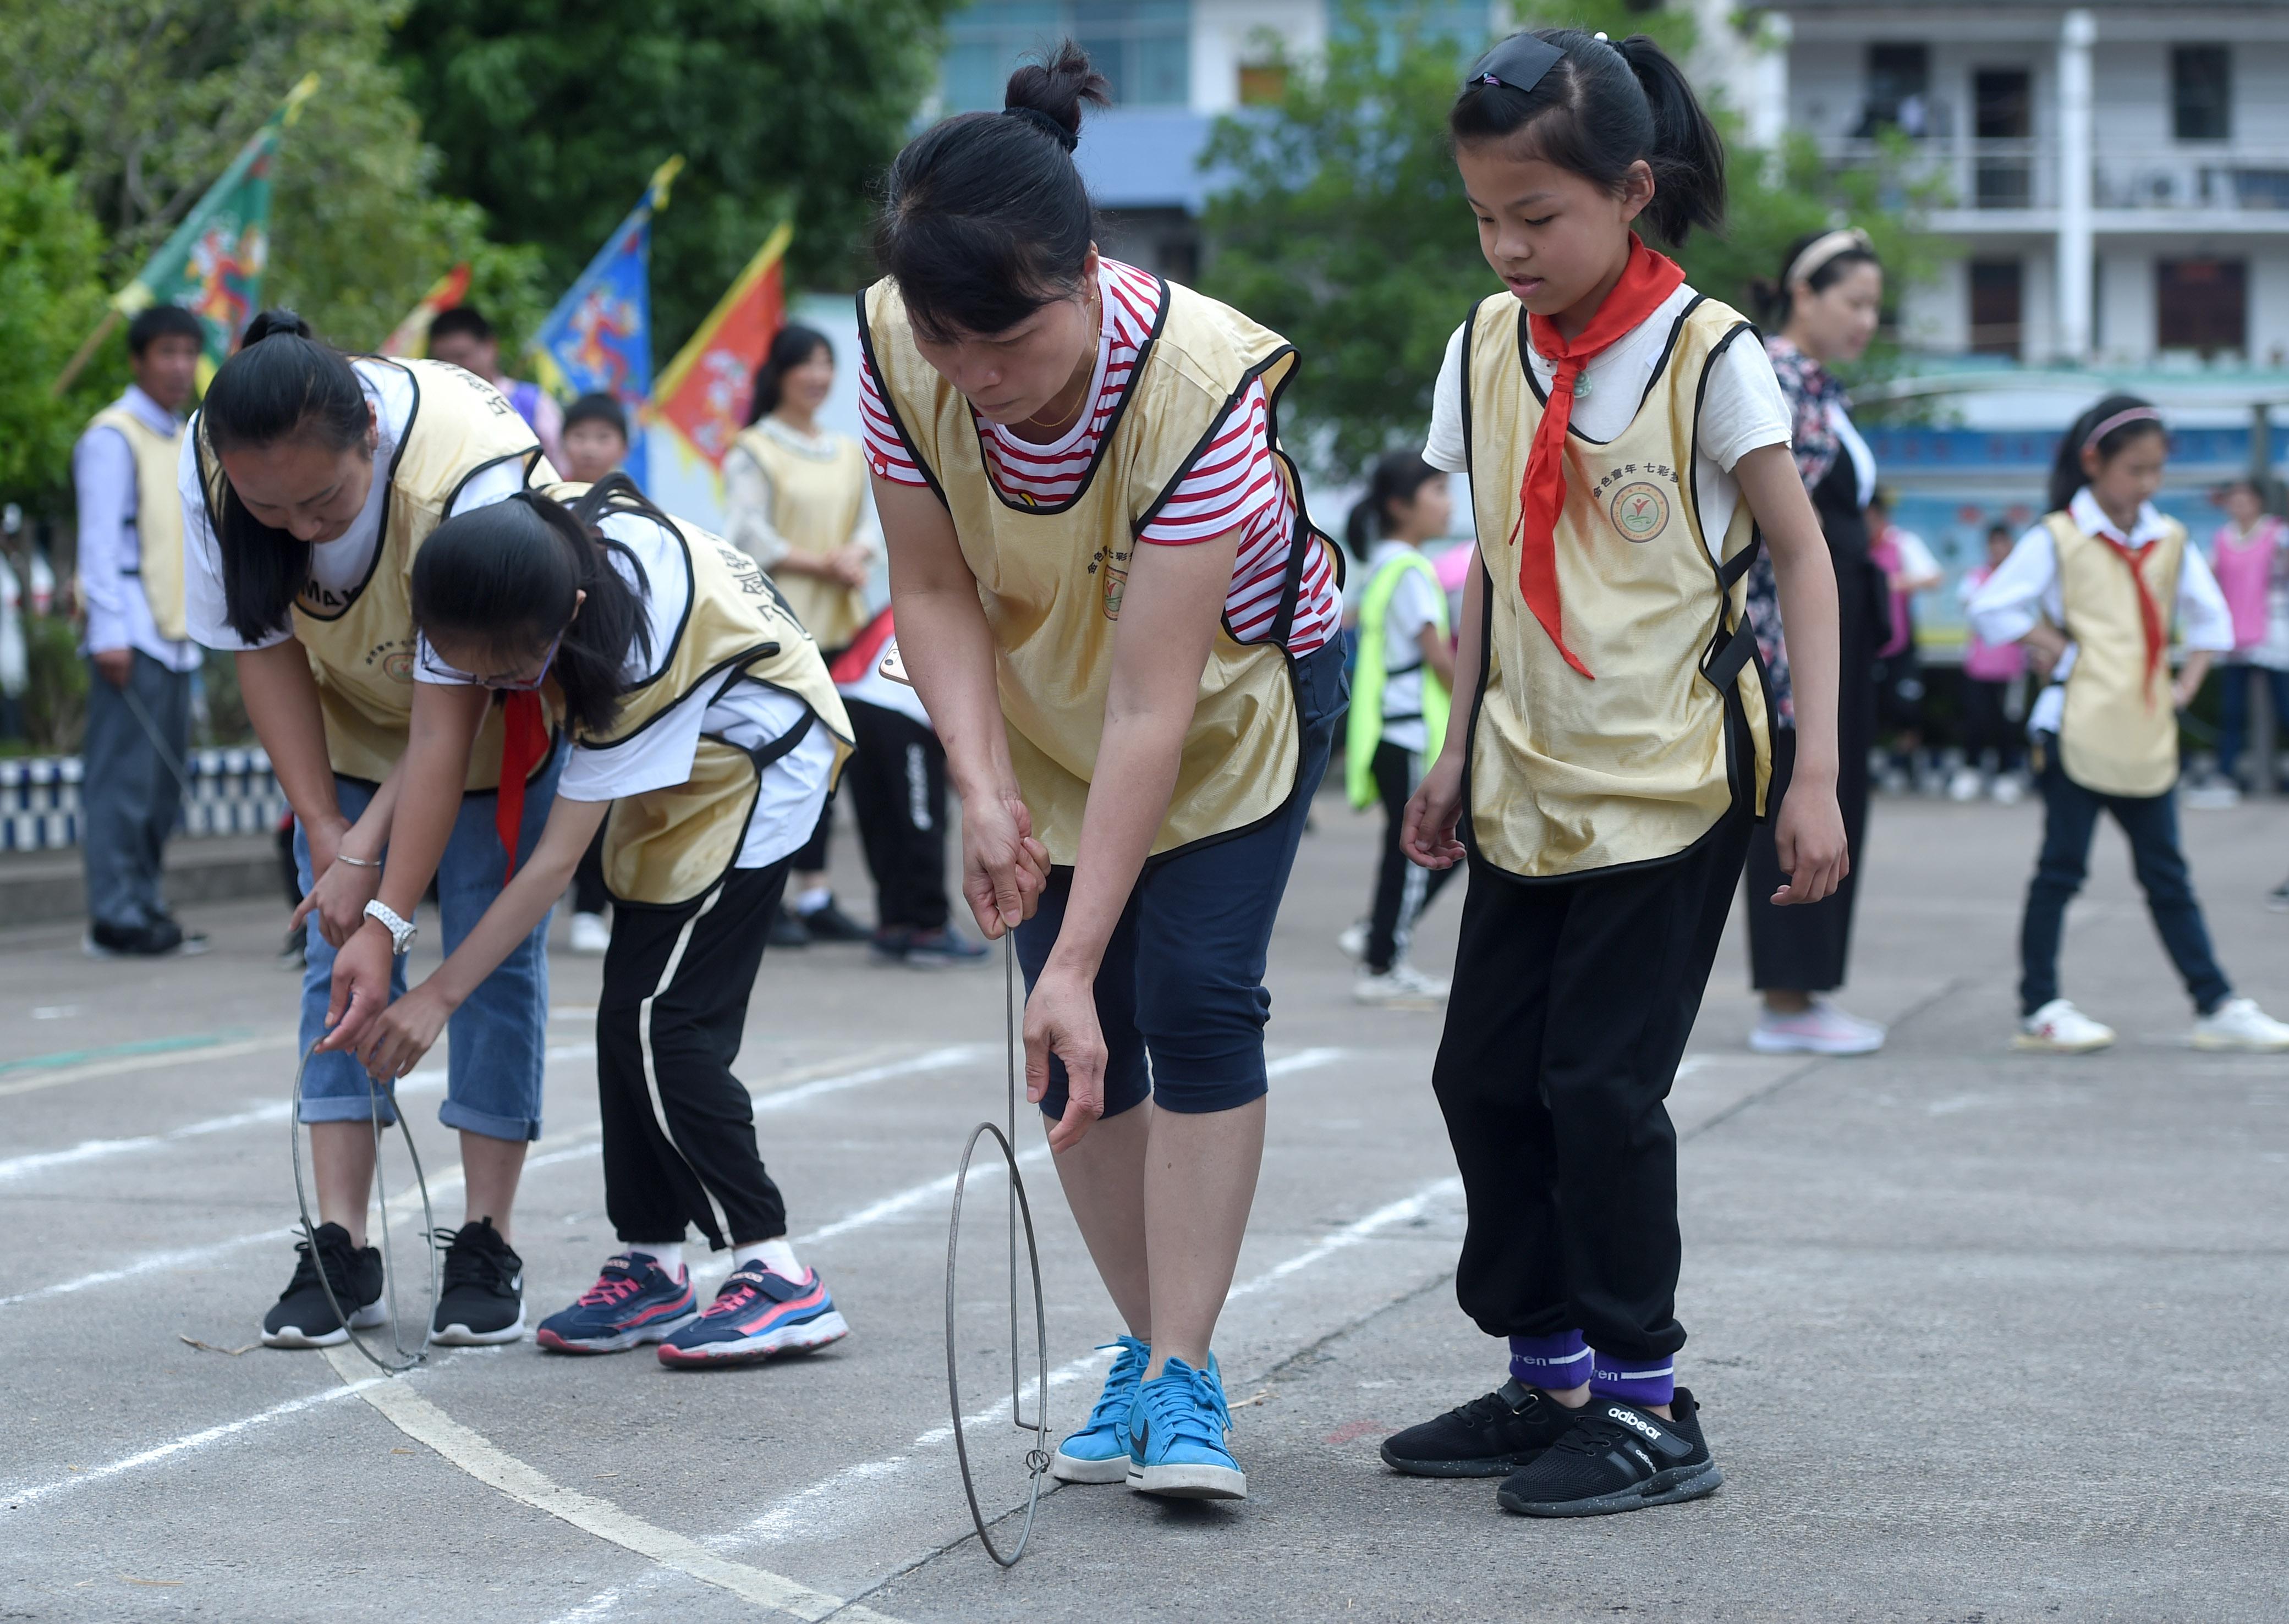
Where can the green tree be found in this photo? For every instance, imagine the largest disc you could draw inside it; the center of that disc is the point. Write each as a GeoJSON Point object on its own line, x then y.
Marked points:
{"type": "Point", "coordinates": [551, 117]}
{"type": "Point", "coordinates": [52, 294]}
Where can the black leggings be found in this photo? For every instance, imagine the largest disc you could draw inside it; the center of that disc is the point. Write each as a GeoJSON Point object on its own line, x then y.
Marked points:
{"type": "Point", "coordinates": [1402, 889]}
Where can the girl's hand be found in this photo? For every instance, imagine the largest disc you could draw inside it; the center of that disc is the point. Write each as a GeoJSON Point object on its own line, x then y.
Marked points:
{"type": "Point", "coordinates": [1427, 834]}
{"type": "Point", "coordinates": [403, 1033]}
{"type": "Point", "coordinates": [2182, 692]}
{"type": "Point", "coordinates": [360, 989]}
{"type": "Point", "coordinates": [1809, 840]}
{"type": "Point", "coordinates": [2043, 645]}
{"type": "Point", "coordinates": [1061, 1020]}
{"type": "Point", "coordinates": [339, 892]}
{"type": "Point", "coordinates": [1003, 867]}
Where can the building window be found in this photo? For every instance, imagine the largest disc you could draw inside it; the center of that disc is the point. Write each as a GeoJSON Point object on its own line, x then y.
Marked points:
{"type": "Point", "coordinates": [1143, 46]}
{"type": "Point", "coordinates": [2201, 93]}
{"type": "Point", "coordinates": [1466, 24]}
{"type": "Point", "coordinates": [1997, 307]}
{"type": "Point", "coordinates": [1899, 91]}
{"type": "Point", "coordinates": [2201, 305]}
{"type": "Point", "coordinates": [2002, 109]}
{"type": "Point", "coordinates": [1263, 85]}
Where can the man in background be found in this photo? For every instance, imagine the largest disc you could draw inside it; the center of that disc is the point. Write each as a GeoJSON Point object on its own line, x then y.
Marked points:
{"type": "Point", "coordinates": [463, 336]}
{"type": "Point", "coordinates": [131, 582]}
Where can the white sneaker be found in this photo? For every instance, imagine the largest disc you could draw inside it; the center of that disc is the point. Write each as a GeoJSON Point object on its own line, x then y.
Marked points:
{"type": "Point", "coordinates": [2059, 1028]}
{"type": "Point", "coordinates": [1353, 940]}
{"type": "Point", "coordinates": [1821, 1030]}
{"type": "Point", "coordinates": [2238, 1023]}
{"type": "Point", "coordinates": [2007, 790]}
{"type": "Point", "coordinates": [590, 933]}
{"type": "Point", "coordinates": [1965, 786]}
{"type": "Point", "coordinates": [1403, 986]}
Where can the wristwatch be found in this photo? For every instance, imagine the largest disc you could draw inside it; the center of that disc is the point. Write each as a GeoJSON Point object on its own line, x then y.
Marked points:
{"type": "Point", "coordinates": [401, 930]}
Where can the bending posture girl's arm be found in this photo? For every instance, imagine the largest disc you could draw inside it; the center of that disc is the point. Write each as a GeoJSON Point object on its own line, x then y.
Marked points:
{"type": "Point", "coordinates": [1427, 833]}
{"type": "Point", "coordinates": [1170, 611]}
{"type": "Point", "coordinates": [399, 1036]}
{"type": "Point", "coordinates": [1808, 831]}
{"type": "Point", "coordinates": [949, 650]}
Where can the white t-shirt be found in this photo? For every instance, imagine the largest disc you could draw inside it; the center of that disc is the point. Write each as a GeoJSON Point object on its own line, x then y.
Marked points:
{"type": "Point", "coordinates": [732, 707]}
{"type": "Point", "coordinates": [1743, 410]}
{"type": "Point", "coordinates": [1414, 604]}
{"type": "Point", "coordinates": [341, 566]}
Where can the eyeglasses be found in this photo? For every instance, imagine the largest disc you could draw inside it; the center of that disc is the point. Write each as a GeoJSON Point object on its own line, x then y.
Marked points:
{"type": "Point", "coordinates": [526, 685]}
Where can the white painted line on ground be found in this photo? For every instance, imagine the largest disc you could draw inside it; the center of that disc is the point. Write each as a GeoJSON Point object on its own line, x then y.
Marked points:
{"type": "Point", "coordinates": [424, 1423]}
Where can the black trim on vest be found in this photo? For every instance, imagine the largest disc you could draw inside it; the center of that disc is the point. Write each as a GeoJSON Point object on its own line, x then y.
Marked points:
{"type": "Point", "coordinates": [1728, 655]}
{"type": "Point", "coordinates": [763, 756]}
{"type": "Point", "coordinates": [1660, 365]}
{"type": "Point", "coordinates": [891, 406]}
{"type": "Point", "coordinates": [381, 528]}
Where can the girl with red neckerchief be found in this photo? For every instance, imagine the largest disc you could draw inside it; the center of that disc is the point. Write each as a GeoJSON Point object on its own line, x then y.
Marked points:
{"type": "Point", "coordinates": [1626, 444]}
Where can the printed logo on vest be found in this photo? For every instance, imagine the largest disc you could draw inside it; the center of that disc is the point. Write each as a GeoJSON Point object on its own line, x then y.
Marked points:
{"type": "Point", "coordinates": [1113, 581]}
{"type": "Point", "coordinates": [1639, 510]}
{"type": "Point", "coordinates": [398, 667]}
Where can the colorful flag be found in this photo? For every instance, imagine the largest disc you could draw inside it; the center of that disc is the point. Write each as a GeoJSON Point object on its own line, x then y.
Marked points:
{"type": "Point", "coordinates": [410, 337]}
{"type": "Point", "coordinates": [598, 339]}
{"type": "Point", "coordinates": [705, 393]}
{"type": "Point", "coordinates": [212, 265]}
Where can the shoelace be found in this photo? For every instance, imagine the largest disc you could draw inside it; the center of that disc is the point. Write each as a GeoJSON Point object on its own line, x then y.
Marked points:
{"type": "Point", "coordinates": [1120, 1383]}
{"type": "Point", "coordinates": [472, 1262]}
{"type": "Point", "coordinates": [739, 1291]}
{"type": "Point", "coordinates": [1190, 1408]}
{"type": "Point", "coordinates": [336, 1257]}
{"type": "Point", "coordinates": [613, 1286]}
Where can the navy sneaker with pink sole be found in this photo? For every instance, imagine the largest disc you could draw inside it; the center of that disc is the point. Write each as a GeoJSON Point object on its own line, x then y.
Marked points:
{"type": "Point", "coordinates": [757, 1314]}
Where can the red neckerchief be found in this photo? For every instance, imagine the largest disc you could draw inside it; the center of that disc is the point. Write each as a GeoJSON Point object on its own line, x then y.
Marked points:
{"type": "Point", "coordinates": [2149, 613]}
{"type": "Point", "coordinates": [1647, 280]}
{"type": "Point", "coordinates": [524, 741]}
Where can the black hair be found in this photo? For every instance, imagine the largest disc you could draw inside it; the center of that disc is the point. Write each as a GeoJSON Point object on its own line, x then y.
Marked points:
{"type": "Point", "coordinates": [1397, 477]}
{"type": "Point", "coordinates": [1602, 107]}
{"type": "Point", "coordinates": [465, 318]}
{"type": "Point", "coordinates": [791, 347]}
{"type": "Point", "coordinates": [153, 322]}
{"type": "Point", "coordinates": [507, 577]}
{"type": "Point", "coordinates": [985, 219]}
{"type": "Point", "coordinates": [598, 408]}
{"type": "Point", "coordinates": [2000, 529]}
{"type": "Point", "coordinates": [1773, 297]}
{"type": "Point", "coordinates": [282, 385]}
{"type": "Point", "coordinates": [2066, 476]}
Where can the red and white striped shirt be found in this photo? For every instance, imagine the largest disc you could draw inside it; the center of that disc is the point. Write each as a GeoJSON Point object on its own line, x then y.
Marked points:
{"type": "Point", "coordinates": [1234, 485]}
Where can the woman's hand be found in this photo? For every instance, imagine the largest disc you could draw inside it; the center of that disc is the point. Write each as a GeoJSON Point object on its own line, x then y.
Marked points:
{"type": "Point", "coordinates": [1427, 833]}
{"type": "Point", "coordinates": [1003, 867]}
{"type": "Point", "coordinates": [1061, 1020]}
{"type": "Point", "coordinates": [403, 1033]}
{"type": "Point", "coordinates": [361, 987]}
{"type": "Point", "coordinates": [850, 564]}
{"type": "Point", "coordinates": [1809, 839]}
{"type": "Point", "coordinates": [338, 891]}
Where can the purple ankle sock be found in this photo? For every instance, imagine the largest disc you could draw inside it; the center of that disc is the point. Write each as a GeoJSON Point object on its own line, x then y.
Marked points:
{"type": "Point", "coordinates": [1638, 1382]}
{"type": "Point", "coordinates": [1553, 1363]}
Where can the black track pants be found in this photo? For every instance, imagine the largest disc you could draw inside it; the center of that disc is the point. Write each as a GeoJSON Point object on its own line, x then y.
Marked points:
{"type": "Point", "coordinates": [896, 786]}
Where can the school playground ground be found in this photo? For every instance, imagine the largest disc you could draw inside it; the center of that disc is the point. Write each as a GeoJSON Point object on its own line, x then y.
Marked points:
{"type": "Point", "coordinates": [1980, 1336]}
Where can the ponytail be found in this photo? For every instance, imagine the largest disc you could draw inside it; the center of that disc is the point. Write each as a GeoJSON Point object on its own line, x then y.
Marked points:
{"type": "Point", "coordinates": [1397, 477]}
{"type": "Point", "coordinates": [2067, 475]}
{"type": "Point", "coordinates": [985, 219]}
{"type": "Point", "coordinates": [791, 347]}
{"type": "Point", "coordinates": [282, 385]}
{"type": "Point", "coordinates": [1597, 109]}
{"type": "Point", "coordinates": [506, 577]}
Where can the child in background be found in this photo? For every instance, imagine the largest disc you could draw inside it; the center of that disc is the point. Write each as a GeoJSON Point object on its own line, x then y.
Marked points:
{"type": "Point", "coordinates": [2086, 592]}
{"type": "Point", "coordinates": [2250, 562]}
{"type": "Point", "coordinates": [1990, 669]}
{"type": "Point", "coordinates": [1909, 567]}
{"type": "Point", "coordinates": [1405, 670]}
{"type": "Point", "coordinates": [595, 438]}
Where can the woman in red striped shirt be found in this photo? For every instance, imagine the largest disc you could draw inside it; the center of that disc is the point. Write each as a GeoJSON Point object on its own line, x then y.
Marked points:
{"type": "Point", "coordinates": [1122, 622]}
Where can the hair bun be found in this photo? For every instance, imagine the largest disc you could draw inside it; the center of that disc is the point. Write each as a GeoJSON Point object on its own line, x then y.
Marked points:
{"type": "Point", "coordinates": [1054, 89]}
{"type": "Point", "coordinates": [271, 324]}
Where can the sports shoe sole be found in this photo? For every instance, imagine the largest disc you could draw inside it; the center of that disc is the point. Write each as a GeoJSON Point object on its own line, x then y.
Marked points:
{"type": "Point", "coordinates": [1189, 1481]}
{"type": "Point", "coordinates": [1662, 1489]}
{"type": "Point", "coordinates": [2027, 1043]}
{"type": "Point", "coordinates": [658, 1329]}
{"type": "Point", "coordinates": [2235, 1045]}
{"type": "Point", "coordinates": [1485, 1466]}
{"type": "Point", "coordinates": [1764, 1043]}
{"type": "Point", "coordinates": [1076, 1468]}
{"type": "Point", "coordinates": [294, 1336]}
{"type": "Point", "coordinates": [803, 1338]}
{"type": "Point", "coordinates": [461, 1336]}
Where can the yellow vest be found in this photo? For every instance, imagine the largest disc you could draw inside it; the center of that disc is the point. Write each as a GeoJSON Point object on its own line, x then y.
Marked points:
{"type": "Point", "coordinates": [815, 503]}
{"type": "Point", "coordinates": [666, 846]}
{"type": "Point", "coordinates": [1569, 775]}
{"type": "Point", "coordinates": [1050, 578]}
{"type": "Point", "coordinates": [2120, 733]}
{"type": "Point", "coordinates": [362, 646]}
{"type": "Point", "coordinates": [158, 516]}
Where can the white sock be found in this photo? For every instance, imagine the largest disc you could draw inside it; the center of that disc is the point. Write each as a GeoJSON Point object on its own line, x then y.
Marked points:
{"type": "Point", "coordinates": [812, 900]}
{"type": "Point", "coordinates": [775, 1256]}
{"type": "Point", "coordinates": [668, 1256]}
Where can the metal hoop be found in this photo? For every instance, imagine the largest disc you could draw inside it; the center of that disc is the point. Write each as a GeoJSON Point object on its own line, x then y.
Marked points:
{"type": "Point", "coordinates": [406, 1359]}
{"type": "Point", "coordinates": [1037, 1458]}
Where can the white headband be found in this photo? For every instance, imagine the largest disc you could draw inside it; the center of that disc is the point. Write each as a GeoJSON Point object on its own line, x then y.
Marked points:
{"type": "Point", "coordinates": [1819, 251]}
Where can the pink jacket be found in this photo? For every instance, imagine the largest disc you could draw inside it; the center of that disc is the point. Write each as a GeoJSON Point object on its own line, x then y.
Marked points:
{"type": "Point", "coordinates": [1983, 662]}
{"type": "Point", "coordinates": [2244, 569]}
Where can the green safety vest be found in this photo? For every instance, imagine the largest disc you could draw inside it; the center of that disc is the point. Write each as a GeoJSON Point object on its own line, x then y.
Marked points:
{"type": "Point", "coordinates": [1364, 729]}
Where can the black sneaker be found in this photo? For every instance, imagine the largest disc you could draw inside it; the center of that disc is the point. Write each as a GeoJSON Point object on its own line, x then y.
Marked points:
{"type": "Point", "coordinates": [828, 923]}
{"type": "Point", "coordinates": [787, 931]}
{"type": "Point", "coordinates": [302, 1318]}
{"type": "Point", "coordinates": [162, 938]}
{"type": "Point", "coordinates": [1616, 1457]}
{"type": "Point", "coordinates": [481, 1295]}
{"type": "Point", "coordinates": [1490, 1437]}
{"type": "Point", "coordinates": [294, 951]}
{"type": "Point", "coordinates": [2278, 898]}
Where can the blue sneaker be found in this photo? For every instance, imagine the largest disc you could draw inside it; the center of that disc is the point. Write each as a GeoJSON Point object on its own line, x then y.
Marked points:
{"type": "Point", "coordinates": [634, 1301]}
{"type": "Point", "coordinates": [1177, 1433]}
{"type": "Point", "coordinates": [1099, 1452]}
{"type": "Point", "coordinates": [755, 1314]}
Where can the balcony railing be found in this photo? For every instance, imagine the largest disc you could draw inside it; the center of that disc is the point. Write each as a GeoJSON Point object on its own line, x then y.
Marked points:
{"type": "Point", "coordinates": [2019, 175]}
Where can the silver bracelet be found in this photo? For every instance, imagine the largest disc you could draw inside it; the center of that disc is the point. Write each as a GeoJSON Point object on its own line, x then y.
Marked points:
{"type": "Point", "coordinates": [343, 857]}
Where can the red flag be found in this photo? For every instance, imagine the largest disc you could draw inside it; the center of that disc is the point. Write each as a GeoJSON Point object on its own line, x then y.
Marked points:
{"type": "Point", "coordinates": [705, 392]}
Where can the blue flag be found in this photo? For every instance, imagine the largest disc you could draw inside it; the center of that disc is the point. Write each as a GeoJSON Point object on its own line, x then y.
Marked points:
{"type": "Point", "coordinates": [598, 339]}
